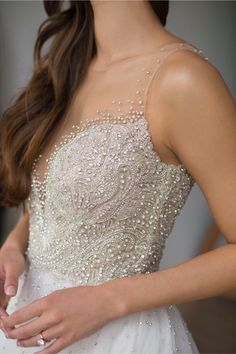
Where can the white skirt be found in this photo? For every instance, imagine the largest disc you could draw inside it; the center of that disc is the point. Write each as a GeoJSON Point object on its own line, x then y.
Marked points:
{"type": "Point", "coordinates": [157, 331]}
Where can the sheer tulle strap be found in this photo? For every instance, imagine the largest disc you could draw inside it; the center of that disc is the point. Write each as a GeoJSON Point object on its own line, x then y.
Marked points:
{"type": "Point", "coordinates": [163, 53]}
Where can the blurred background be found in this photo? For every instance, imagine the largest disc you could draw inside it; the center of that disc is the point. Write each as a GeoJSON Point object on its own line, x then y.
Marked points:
{"type": "Point", "coordinates": [209, 25]}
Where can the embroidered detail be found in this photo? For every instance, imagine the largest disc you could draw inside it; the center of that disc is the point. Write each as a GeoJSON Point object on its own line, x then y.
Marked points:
{"type": "Point", "coordinates": [108, 206]}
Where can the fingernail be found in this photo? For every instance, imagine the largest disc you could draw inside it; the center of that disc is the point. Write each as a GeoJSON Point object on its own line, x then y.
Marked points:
{"type": "Point", "coordinates": [18, 343]}
{"type": "Point", "coordinates": [10, 290]}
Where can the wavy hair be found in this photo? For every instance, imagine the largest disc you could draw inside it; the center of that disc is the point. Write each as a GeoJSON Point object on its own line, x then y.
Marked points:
{"type": "Point", "coordinates": [28, 123]}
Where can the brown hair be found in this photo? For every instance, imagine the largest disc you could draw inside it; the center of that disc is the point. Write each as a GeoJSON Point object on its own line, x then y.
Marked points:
{"type": "Point", "coordinates": [28, 123]}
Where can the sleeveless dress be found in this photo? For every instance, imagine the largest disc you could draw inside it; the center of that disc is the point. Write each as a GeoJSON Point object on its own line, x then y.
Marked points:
{"type": "Point", "coordinates": [103, 210]}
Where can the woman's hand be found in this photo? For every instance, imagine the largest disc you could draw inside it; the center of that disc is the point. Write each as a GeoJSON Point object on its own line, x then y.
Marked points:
{"type": "Point", "coordinates": [12, 264]}
{"type": "Point", "coordinates": [65, 316]}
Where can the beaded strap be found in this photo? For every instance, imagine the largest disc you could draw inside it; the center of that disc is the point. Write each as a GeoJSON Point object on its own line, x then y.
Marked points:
{"type": "Point", "coordinates": [167, 50]}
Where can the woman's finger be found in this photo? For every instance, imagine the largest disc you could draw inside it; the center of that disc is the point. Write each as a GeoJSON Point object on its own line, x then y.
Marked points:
{"type": "Point", "coordinates": [31, 328]}
{"type": "Point", "coordinates": [12, 273]}
{"type": "Point", "coordinates": [49, 334]}
{"type": "Point", "coordinates": [53, 332]}
{"type": "Point", "coordinates": [3, 312]}
{"type": "Point", "coordinates": [24, 314]}
{"type": "Point", "coordinates": [56, 346]}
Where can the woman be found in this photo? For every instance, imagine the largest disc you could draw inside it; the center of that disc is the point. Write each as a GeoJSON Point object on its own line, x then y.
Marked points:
{"type": "Point", "coordinates": [102, 148]}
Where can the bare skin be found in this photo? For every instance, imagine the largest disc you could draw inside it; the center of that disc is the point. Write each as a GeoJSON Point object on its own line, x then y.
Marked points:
{"type": "Point", "coordinates": [12, 260]}
{"type": "Point", "coordinates": [196, 126]}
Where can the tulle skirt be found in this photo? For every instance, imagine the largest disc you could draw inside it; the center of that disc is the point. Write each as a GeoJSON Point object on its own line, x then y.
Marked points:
{"type": "Point", "coordinates": [157, 331]}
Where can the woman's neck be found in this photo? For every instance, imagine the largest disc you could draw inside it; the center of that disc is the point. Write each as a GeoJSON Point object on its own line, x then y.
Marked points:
{"type": "Point", "coordinates": [125, 28]}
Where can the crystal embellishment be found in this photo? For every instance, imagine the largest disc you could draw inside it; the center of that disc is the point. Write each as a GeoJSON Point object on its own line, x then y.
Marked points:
{"type": "Point", "coordinates": [107, 202]}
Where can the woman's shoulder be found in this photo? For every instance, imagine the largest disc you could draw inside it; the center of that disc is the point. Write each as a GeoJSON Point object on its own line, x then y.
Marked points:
{"type": "Point", "coordinates": [183, 73]}
{"type": "Point", "coordinates": [186, 85]}
{"type": "Point", "coordinates": [183, 62]}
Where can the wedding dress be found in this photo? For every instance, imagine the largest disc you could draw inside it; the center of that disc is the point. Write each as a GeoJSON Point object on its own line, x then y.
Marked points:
{"type": "Point", "coordinates": [103, 209]}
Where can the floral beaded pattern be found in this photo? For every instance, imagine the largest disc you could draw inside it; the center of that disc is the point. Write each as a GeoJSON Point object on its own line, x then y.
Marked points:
{"type": "Point", "coordinates": [106, 188]}
{"type": "Point", "coordinates": [107, 202]}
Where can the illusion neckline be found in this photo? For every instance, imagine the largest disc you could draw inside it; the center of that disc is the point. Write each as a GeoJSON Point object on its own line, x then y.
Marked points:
{"type": "Point", "coordinates": [87, 122]}
{"type": "Point", "coordinates": [154, 52]}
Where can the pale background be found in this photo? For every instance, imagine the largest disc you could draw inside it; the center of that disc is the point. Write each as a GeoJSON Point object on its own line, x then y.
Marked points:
{"type": "Point", "coordinates": [210, 25]}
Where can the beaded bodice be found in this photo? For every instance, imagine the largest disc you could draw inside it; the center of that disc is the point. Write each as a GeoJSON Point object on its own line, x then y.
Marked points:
{"type": "Point", "coordinates": [107, 202]}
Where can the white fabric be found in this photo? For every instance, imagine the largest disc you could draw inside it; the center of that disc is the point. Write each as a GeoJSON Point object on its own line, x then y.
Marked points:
{"type": "Point", "coordinates": [156, 331]}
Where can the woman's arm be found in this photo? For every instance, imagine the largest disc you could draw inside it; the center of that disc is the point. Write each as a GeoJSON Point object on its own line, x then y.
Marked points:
{"type": "Point", "coordinates": [18, 237]}
{"type": "Point", "coordinates": [200, 128]}
{"type": "Point", "coordinates": [209, 274]}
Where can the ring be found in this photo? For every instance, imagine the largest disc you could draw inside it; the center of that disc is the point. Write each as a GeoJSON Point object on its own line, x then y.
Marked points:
{"type": "Point", "coordinates": [41, 341]}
